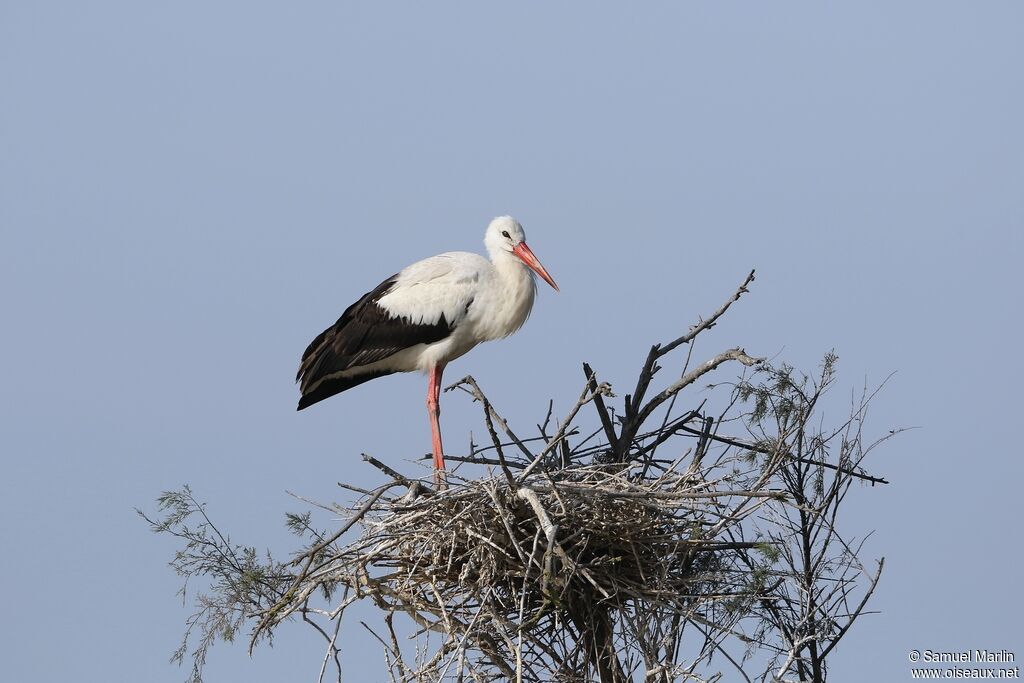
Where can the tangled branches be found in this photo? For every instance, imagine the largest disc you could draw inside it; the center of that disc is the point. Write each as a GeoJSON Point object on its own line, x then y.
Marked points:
{"type": "Point", "coordinates": [532, 575]}
{"type": "Point", "coordinates": [583, 556]}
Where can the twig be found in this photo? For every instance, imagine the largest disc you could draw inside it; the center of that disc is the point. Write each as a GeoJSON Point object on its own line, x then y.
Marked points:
{"type": "Point", "coordinates": [474, 390]}
{"type": "Point", "coordinates": [400, 478]}
{"type": "Point", "coordinates": [585, 397]}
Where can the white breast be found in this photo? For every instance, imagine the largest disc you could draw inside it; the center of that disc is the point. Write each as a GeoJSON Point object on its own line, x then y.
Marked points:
{"type": "Point", "coordinates": [503, 304]}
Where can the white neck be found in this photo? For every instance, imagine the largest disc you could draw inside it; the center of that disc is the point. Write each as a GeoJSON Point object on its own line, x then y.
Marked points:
{"type": "Point", "coordinates": [511, 270]}
{"type": "Point", "coordinates": [513, 295]}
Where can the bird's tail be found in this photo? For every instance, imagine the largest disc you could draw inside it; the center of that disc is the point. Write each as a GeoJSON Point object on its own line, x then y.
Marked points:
{"type": "Point", "coordinates": [329, 386]}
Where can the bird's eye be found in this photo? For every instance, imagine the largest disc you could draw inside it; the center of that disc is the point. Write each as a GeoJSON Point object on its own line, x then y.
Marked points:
{"type": "Point", "coordinates": [504, 233]}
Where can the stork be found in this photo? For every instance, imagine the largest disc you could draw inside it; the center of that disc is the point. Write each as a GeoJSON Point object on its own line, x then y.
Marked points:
{"type": "Point", "coordinates": [424, 317]}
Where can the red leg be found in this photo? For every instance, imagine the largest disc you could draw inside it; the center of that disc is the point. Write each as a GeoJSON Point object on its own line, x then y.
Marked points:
{"type": "Point", "coordinates": [434, 408]}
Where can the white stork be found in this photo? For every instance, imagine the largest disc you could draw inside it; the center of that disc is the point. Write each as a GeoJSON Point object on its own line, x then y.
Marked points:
{"type": "Point", "coordinates": [427, 315]}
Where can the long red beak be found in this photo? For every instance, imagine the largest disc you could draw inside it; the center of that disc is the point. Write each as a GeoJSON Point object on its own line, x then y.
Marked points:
{"type": "Point", "coordinates": [526, 256]}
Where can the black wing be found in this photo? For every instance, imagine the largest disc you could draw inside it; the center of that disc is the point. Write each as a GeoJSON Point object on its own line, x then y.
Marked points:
{"type": "Point", "coordinates": [364, 334]}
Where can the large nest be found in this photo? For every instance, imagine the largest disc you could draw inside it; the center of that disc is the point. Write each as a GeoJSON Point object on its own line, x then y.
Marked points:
{"type": "Point", "coordinates": [542, 575]}
{"type": "Point", "coordinates": [587, 532]}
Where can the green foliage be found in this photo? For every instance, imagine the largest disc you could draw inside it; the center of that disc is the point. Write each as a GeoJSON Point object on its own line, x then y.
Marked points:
{"type": "Point", "coordinates": [298, 524]}
{"type": "Point", "coordinates": [769, 551]}
{"type": "Point", "coordinates": [239, 584]}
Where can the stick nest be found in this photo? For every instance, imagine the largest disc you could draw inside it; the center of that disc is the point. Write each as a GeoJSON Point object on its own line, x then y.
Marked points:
{"type": "Point", "coordinates": [508, 568]}
{"type": "Point", "coordinates": [579, 533]}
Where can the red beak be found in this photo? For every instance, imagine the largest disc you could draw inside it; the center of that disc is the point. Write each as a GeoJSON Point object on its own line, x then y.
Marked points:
{"type": "Point", "coordinates": [526, 256]}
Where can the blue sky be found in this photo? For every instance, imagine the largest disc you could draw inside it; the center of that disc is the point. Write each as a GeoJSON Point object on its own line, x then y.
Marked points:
{"type": "Point", "coordinates": [190, 191]}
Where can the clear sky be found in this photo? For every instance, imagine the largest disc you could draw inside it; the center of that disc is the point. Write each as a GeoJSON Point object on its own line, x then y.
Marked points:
{"type": "Point", "coordinates": [189, 191]}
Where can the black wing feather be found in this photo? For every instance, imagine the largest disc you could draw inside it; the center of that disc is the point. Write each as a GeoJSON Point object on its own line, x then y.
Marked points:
{"type": "Point", "coordinates": [364, 334]}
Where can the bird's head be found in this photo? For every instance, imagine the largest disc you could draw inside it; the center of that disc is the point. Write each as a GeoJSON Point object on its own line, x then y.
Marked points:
{"type": "Point", "coordinates": [506, 236]}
